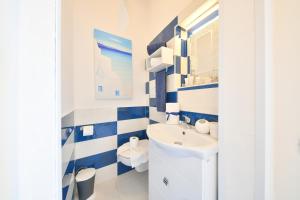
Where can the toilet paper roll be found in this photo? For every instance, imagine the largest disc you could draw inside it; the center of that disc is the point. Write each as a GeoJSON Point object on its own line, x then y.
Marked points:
{"type": "Point", "coordinates": [133, 141]}
{"type": "Point", "coordinates": [202, 126]}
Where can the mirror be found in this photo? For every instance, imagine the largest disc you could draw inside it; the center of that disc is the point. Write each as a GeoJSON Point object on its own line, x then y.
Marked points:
{"type": "Point", "coordinates": [201, 24]}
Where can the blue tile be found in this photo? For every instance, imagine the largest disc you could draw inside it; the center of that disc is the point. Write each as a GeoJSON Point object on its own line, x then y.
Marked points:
{"type": "Point", "coordinates": [199, 87]}
{"type": "Point", "coordinates": [195, 116]}
{"type": "Point", "coordinates": [70, 167]}
{"type": "Point", "coordinates": [123, 138]}
{"type": "Point", "coordinates": [166, 34]}
{"type": "Point", "coordinates": [100, 130]}
{"type": "Point", "coordinates": [170, 70]}
{"type": "Point", "coordinates": [122, 169]}
{"type": "Point", "coordinates": [171, 97]}
{"type": "Point", "coordinates": [147, 88]}
{"type": "Point", "coordinates": [151, 76]}
{"type": "Point", "coordinates": [97, 161]}
{"type": "Point", "coordinates": [66, 132]}
{"type": "Point", "coordinates": [178, 31]}
{"type": "Point", "coordinates": [65, 192]}
{"type": "Point", "coordinates": [178, 64]}
{"type": "Point", "coordinates": [189, 65]}
{"type": "Point", "coordinates": [153, 122]}
{"type": "Point", "coordinates": [183, 48]}
{"type": "Point", "coordinates": [152, 102]}
{"type": "Point", "coordinates": [125, 113]}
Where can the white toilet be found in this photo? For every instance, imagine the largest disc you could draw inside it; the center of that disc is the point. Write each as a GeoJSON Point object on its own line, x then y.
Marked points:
{"type": "Point", "coordinates": [134, 157]}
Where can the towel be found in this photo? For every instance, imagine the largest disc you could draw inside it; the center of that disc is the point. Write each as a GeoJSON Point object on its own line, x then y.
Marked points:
{"type": "Point", "coordinates": [161, 91]}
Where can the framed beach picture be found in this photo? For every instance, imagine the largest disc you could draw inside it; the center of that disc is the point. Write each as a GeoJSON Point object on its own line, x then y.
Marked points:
{"type": "Point", "coordinates": [113, 66]}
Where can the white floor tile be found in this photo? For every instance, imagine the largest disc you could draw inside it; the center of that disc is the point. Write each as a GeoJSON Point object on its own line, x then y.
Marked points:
{"type": "Point", "coordinates": [129, 186]}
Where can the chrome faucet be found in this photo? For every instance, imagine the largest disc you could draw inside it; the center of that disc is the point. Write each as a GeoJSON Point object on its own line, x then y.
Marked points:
{"type": "Point", "coordinates": [186, 122]}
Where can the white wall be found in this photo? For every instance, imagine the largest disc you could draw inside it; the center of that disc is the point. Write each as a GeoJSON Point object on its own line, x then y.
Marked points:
{"type": "Point", "coordinates": [286, 154]}
{"type": "Point", "coordinates": [105, 15]}
{"type": "Point", "coordinates": [237, 100]}
{"type": "Point", "coordinates": [8, 105]}
{"type": "Point", "coordinates": [29, 74]}
{"type": "Point", "coordinates": [67, 72]}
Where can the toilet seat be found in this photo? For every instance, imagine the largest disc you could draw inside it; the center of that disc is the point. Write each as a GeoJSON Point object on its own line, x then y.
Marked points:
{"type": "Point", "coordinates": [139, 155]}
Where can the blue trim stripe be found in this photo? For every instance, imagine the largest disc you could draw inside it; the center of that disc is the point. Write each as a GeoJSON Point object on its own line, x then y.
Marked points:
{"type": "Point", "coordinates": [199, 87]}
{"type": "Point", "coordinates": [97, 161]}
{"type": "Point", "coordinates": [122, 169]}
{"type": "Point", "coordinates": [66, 132]}
{"type": "Point", "coordinates": [210, 17]}
{"type": "Point", "coordinates": [123, 138]}
{"type": "Point", "coordinates": [125, 113]}
{"type": "Point", "coordinates": [195, 116]}
{"type": "Point", "coordinates": [171, 97]}
{"type": "Point", "coordinates": [152, 102]}
{"type": "Point", "coordinates": [100, 130]}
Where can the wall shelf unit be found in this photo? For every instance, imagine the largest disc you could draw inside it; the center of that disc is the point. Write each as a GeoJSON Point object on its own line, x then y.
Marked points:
{"type": "Point", "coordinates": [160, 59]}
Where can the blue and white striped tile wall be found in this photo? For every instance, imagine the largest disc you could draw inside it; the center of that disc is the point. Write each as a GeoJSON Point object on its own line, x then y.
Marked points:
{"type": "Point", "coordinates": [68, 151]}
{"type": "Point", "coordinates": [196, 103]}
{"type": "Point", "coordinates": [112, 128]}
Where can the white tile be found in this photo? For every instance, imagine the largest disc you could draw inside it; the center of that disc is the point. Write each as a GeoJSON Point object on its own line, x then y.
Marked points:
{"type": "Point", "coordinates": [128, 186]}
{"type": "Point", "coordinates": [157, 116]}
{"type": "Point", "coordinates": [183, 65]}
{"type": "Point", "coordinates": [67, 152]}
{"type": "Point", "coordinates": [68, 120]}
{"type": "Point", "coordinates": [171, 43]}
{"type": "Point", "coordinates": [152, 89]}
{"type": "Point", "coordinates": [70, 190]}
{"type": "Point", "coordinates": [200, 101]}
{"type": "Point", "coordinates": [127, 126]}
{"type": "Point", "coordinates": [67, 179]}
{"type": "Point", "coordinates": [173, 82]}
{"type": "Point", "coordinates": [177, 48]}
{"type": "Point", "coordinates": [106, 173]}
{"type": "Point", "coordinates": [97, 115]}
{"type": "Point", "coordinates": [184, 35]}
{"type": "Point", "coordinates": [95, 146]}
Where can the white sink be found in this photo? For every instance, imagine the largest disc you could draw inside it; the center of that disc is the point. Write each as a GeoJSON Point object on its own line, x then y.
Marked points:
{"type": "Point", "coordinates": [182, 141]}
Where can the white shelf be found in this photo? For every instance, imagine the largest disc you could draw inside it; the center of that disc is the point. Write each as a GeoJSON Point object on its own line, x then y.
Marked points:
{"type": "Point", "coordinates": [165, 59]}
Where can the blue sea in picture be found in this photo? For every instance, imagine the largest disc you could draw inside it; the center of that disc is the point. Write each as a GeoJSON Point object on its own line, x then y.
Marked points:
{"type": "Point", "coordinates": [113, 66]}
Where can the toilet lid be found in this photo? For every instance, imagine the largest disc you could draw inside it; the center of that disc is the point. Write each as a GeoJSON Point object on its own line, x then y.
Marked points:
{"type": "Point", "coordinates": [124, 150]}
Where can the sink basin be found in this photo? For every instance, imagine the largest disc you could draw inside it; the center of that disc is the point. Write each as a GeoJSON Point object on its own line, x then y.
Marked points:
{"type": "Point", "coordinates": [182, 141]}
